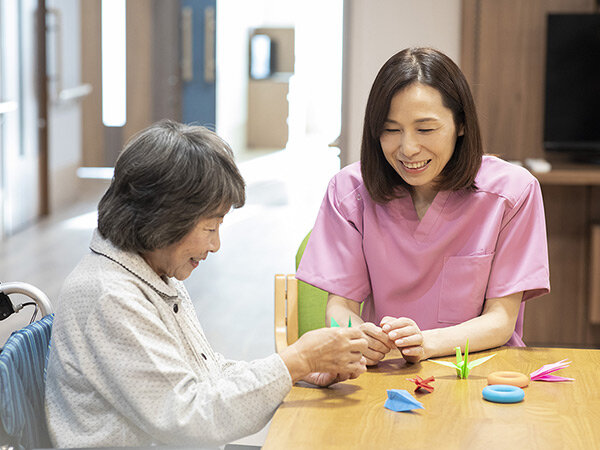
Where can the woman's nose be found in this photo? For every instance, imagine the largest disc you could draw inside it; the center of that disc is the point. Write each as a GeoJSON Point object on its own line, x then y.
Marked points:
{"type": "Point", "coordinates": [215, 243]}
{"type": "Point", "coordinates": [410, 147]}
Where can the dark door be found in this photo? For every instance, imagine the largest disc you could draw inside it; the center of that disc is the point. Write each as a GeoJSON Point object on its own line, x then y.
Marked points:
{"type": "Point", "coordinates": [198, 26]}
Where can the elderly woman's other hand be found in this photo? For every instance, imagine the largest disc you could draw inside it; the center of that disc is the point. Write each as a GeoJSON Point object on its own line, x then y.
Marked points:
{"type": "Point", "coordinates": [337, 352]}
{"type": "Point", "coordinates": [324, 379]}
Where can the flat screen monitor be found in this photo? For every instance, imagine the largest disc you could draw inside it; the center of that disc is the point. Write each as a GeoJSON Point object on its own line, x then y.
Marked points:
{"type": "Point", "coordinates": [572, 91]}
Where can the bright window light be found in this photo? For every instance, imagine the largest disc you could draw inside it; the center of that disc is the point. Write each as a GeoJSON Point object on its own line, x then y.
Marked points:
{"type": "Point", "coordinates": [114, 78]}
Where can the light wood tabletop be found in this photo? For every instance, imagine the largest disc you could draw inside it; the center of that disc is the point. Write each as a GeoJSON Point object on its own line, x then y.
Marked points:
{"type": "Point", "coordinates": [553, 415]}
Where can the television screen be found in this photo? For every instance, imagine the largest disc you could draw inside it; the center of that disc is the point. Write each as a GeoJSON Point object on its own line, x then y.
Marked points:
{"type": "Point", "coordinates": [572, 97]}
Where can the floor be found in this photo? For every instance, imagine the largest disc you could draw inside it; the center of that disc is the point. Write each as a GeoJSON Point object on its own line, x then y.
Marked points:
{"type": "Point", "coordinates": [233, 289]}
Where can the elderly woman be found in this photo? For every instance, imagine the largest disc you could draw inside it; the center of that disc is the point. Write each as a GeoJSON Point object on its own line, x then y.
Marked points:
{"type": "Point", "coordinates": [129, 363]}
{"type": "Point", "coordinates": [440, 242]}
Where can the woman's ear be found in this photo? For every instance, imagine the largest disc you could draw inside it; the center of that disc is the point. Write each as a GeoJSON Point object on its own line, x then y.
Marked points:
{"type": "Point", "coordinates": [461, 130]}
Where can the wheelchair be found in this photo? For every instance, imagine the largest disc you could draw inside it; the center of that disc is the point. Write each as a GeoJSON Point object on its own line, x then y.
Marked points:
{"type": "Point", "coordinates": [23, 361]}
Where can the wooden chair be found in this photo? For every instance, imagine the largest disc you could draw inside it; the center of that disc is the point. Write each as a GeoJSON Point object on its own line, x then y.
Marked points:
{"type": "Point", "coordinates": [286, 311]}
{"type": "Point", "coordinates": [299, 307]}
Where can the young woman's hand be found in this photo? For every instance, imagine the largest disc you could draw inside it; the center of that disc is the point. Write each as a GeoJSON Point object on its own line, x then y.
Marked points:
{"type": "Point", "coordinates": [379, 343]}
{"type": "Point", "coordinates": [406, 335]}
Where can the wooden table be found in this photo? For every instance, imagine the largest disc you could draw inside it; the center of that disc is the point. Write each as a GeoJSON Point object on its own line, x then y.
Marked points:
{"type": "Point", "coordinates": [561, 415]}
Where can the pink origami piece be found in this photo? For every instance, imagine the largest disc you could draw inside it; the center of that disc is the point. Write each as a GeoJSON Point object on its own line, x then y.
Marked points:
{"type": "Point", "coordinates": [543, 374]}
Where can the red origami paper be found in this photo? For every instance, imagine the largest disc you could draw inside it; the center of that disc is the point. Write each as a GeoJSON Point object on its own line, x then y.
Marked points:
{"type": "Point", "coordinates": [422, 383]}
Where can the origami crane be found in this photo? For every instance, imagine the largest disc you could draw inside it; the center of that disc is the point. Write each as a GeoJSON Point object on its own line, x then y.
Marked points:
{"type": "Point", "coordinates": [334, 324]}
{"type": "Point", "coordinates": [422, 383]}
{"type": "Point", "coordinates": [543, 374]}
{"type": "Point", "coordinates": [462, 366]}
{"type": "Point", "coordinates": [401, 400]}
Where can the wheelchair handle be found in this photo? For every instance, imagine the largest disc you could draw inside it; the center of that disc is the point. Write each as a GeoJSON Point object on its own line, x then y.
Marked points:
{"type": "Point", "coordinates": [17, 287]}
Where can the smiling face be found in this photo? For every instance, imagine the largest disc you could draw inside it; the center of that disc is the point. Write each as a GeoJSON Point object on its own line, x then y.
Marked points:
{"type": "Point", "coordinates": [419, 136]}
{"type": "Point", "coordinates": [179, 259]}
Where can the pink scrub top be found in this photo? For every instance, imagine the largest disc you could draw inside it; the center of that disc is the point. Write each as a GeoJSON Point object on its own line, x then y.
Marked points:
{"type": "Point", "coordinates": [439, 270]}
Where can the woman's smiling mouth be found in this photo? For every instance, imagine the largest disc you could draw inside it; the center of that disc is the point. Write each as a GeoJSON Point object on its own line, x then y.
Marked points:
{"type": "Point", "coordinates": [196, 261]}
{"type": "Point", "coordinates": [415, 166]}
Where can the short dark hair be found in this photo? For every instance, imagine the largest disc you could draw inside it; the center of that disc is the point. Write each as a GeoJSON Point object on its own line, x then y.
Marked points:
{"type": "Point", "coordinates": [167, 178]}
{"type": "Point", "coordinates": [429, 67]}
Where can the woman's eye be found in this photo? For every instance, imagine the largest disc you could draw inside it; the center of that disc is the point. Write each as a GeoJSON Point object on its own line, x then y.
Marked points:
{"type": "Point", "coordinates": [426, 130]}
{"type": "Point", "coordinates": [391, 130]}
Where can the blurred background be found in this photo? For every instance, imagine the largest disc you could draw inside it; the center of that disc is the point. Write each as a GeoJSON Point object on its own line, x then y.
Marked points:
{"type": "Point", "coordinates": [285, 83]}
{"type": "Point", "coordinates": [79, 78]}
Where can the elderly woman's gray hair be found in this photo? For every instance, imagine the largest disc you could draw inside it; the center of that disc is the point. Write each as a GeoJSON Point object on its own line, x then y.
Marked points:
{"type": "Point", "coordinates": [166, 178]}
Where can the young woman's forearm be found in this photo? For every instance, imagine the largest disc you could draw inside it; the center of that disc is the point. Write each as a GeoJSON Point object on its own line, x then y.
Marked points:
{"type": "Point", "coordinates": [341, 309]}
{"type": "Point", "coordinates": [492, 329]}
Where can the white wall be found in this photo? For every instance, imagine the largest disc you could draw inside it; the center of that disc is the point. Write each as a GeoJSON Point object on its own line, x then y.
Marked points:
{"type": "Point", "coordinates": [235, 19]}
{"type": "Point", "coordinates": [315, 89]}
{"type": "Point", "coordinates": [377, 30]}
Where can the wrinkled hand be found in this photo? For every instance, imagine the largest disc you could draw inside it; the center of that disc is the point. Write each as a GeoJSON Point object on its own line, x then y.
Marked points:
{"type": "Point", "coordinates": [378, 341]}
{"type": "Point", "coordinates": [328, 350]}
{"type": "Point", "coordinates": [406, 335]}
{"type": "Point", "coordinates": [324, 379]}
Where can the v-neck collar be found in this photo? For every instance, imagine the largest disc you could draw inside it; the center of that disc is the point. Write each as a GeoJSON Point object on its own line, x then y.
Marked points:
{"type": "Point", "coordinates": [421, 228]}
{"type": "Point", "coordinates": [431, 217]}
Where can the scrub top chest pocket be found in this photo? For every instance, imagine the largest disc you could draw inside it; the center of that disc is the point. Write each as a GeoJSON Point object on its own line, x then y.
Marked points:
{"type": "Point", "coordinates": [464, 282]}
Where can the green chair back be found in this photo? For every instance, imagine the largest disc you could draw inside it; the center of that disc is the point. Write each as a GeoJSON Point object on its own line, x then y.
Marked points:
{"type": "Point", "coordinates": [311, 300]}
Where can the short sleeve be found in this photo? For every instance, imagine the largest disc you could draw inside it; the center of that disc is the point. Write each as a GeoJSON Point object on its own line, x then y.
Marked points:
{"type": "Point", "coordinates": [521, 257]}
{"type": "Point", "coordinates": [334, 260]}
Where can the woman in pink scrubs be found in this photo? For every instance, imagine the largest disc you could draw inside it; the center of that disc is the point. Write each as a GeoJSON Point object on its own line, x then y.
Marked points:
{"type": "Point", "coordinates": [439, 241]}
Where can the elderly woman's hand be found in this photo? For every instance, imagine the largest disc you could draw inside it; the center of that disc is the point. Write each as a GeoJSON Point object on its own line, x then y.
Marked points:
{"type": "Point", "coordinates": [336, 351]}
{"type": "Point", "coordinates": [324, 379]}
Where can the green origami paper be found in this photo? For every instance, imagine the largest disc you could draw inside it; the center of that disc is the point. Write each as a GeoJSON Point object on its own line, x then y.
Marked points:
{"type": "Point", "coordinates": [462, 365]}
{"type": "Point", "coordinates": [334, 324]}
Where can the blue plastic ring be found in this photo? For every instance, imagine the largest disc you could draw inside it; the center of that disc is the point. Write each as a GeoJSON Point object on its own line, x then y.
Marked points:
{"type": "Point", "coordinates": [503, 393]}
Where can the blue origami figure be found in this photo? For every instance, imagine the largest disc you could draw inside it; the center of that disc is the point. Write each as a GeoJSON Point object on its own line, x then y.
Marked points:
{"type": "Point", "coordinates": [401, 400]}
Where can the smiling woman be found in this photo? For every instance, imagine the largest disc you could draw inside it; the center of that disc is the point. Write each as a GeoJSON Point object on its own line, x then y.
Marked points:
{"type": "Point", "coordinates": [439, 242]}
{"type": "Point", "coordinates": [419, 139]}
{"type": "Point", "coordinates": [129, 364]}
{"type": "Point", "coordinates": [180, 258]}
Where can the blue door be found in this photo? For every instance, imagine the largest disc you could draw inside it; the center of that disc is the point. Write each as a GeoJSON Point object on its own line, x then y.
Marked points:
{"type": "Point", "coordinates": [198, 50]}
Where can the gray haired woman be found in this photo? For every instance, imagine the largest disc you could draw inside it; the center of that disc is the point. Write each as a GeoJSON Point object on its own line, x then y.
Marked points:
{"type": "Point", "coordinates": [129, 363]}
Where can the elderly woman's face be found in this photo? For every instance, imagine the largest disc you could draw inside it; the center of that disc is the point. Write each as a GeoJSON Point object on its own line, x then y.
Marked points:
{"type": "Point", "coordinates": [419, 135]}
{"type": "Point", "coordinates": [179, 259]}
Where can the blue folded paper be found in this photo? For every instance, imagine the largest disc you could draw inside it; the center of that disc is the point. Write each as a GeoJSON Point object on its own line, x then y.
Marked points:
{"type": "Point", "coordinates": [401, 400]}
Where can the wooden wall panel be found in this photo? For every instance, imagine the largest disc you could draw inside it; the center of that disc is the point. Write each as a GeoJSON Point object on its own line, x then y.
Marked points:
{"type": "Point", "coordinates": [139, 65]}
{"type": "Point", "coordinates": [559, 318]}
{"type": "Point", "coordinates": [151, 94]}
{"type": "Point", "coordinates": [166, 79]}
{"type": "Point", "coordinates": [92, 132]}
{"type": "Point", "coordinates": [593, 335]}
{"type": "Point", "coordinates": [268, 110]}
{"type": "Point", "coordinates": [503, 57]}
